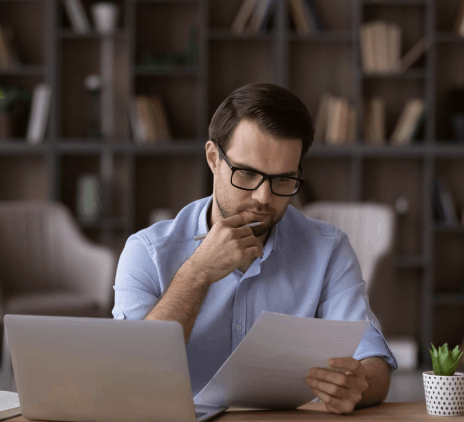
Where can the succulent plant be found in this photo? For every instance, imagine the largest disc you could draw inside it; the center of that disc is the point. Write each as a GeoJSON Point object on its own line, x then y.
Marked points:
{"type": "Point", "coordinates": [445, 362]}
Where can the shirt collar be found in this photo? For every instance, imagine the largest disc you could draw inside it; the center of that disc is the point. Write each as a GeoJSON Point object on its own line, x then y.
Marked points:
{"type": "Point", "coordinates": [203, 228]}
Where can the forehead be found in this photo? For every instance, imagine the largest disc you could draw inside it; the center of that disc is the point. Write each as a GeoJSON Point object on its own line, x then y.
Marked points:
{"type": "Point", "coordinates": [250, 146]}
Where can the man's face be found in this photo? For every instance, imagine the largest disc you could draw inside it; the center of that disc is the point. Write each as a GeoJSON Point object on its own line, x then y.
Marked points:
{"type": "Point", "coordinates": [250, 148]}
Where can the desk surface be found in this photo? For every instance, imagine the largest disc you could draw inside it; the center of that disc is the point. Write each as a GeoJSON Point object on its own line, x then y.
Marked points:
{"type": "Point", "coordinates": [397, 412]}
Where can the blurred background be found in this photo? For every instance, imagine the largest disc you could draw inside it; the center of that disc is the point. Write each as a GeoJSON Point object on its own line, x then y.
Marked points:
{"type": "Point", "coordinates": [104, 115]}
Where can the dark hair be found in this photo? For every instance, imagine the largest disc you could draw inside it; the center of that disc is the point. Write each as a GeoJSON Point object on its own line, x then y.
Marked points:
{"type": "Point", "coordinates": [276, 111]}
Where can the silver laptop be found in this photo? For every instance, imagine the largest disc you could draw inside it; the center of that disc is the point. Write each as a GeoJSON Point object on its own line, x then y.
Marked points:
{"type": "Point", "coordinates": [94, 369]}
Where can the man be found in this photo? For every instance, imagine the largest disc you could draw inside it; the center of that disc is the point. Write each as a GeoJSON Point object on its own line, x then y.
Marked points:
{"type": "Point", "coordinates": [217, 287]}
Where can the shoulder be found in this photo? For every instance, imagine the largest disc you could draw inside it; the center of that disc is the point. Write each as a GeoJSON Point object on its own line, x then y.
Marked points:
{"type": "Point", "coordinates": [178, 230]}
{"type": "Point", "coordinates": [294, 221]}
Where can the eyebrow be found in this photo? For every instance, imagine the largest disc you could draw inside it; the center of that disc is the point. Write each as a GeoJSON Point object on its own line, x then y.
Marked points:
{"type": "Point", "coordinates": [247, 167]}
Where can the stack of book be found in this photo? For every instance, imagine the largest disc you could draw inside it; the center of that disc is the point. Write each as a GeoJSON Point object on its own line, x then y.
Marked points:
{"type": "Point", "coordinates": [8, 53]}
{"type": "Point", "coordinates": [305, 17]}
{"type": "Point", "coordinates": [406, 128]}
{"type": "Point", "coordinates": [335, 121]}
{"type": "Point", "coordinates": [148, 120]}
{"type": "Point", "coordinates": [459, 25]}
{"type": "Point", "coordinates": [381, 48]}
{"type": "Point", "coordinates": [253, 17]}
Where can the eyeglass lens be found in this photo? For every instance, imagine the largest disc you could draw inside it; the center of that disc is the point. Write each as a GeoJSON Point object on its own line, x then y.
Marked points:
{"type": "Point", "coordinates": [250, 180]}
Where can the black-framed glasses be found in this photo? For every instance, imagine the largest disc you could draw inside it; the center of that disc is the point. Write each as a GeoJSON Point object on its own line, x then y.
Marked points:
{"type": "Point", "coordinates": [247, 179]}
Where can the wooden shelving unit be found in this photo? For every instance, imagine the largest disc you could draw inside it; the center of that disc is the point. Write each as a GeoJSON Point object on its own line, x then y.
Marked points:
{"type": "Point", "coordinates": [137, 178]}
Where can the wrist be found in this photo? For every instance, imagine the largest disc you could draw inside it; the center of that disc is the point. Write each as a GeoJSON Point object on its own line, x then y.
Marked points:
{"type": "Point", "coordinates": [197, 272]}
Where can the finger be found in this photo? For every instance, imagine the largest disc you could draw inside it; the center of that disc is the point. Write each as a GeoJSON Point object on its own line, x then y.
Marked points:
{"type": "Point", "coordinates": [334, 376]}
{"type": "Point", "coordinates": [238, 220]}
{"type": "Point", "coordinates": [243, 231]}
{"type": "Point", "coordinates": [351, 365]}
{"type": "Point", "coordinates": [334, 390]}
{"type": "Point", "coordinates": [332, 403]}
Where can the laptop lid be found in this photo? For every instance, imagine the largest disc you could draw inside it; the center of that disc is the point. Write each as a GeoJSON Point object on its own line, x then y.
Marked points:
{"type": "Point", "coordinates": [83, 369]}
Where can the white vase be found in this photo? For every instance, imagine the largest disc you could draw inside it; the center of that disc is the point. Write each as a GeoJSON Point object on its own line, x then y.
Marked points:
{"type": "Point", "coordinates": [444, 395]}
{"type": "Point", "coordinates": [105, 16]}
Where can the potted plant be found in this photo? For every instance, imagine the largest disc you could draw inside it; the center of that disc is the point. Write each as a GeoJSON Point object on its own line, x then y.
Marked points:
{"type": "Point", "coordinates": [13, 101]}
{"type": "Point", "coordinates": [444, 388]}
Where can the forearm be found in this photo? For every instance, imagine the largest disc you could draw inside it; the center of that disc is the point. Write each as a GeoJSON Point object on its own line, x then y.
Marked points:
{"type": "Point", "coordinates": [182, 300]}
{"type": "Point", "coordinates": [378, 377]}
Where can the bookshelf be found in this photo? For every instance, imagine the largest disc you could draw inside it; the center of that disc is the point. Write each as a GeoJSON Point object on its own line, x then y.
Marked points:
{"type": "Point", "coordinates": [138, 178]}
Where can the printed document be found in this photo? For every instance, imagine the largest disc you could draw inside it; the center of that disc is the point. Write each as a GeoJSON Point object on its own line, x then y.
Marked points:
{"type": "Point", "coordinates": [268, 368]}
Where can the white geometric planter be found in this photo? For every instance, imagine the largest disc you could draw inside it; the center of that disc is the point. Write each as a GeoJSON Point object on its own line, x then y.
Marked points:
{"type": "Point", "coordinates": [444, 395]}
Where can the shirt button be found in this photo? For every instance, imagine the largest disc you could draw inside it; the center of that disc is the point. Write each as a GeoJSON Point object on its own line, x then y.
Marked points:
{"type": "Point", "coordinates": [238, 327]}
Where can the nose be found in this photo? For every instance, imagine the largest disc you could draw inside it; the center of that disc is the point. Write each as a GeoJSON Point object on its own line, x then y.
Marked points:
{"type": "Point", "coordinates": [263, 194]}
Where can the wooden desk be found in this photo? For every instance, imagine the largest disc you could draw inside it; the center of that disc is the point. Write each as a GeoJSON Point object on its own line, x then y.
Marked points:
{"type": "Point", "coordinates": [398, 412]}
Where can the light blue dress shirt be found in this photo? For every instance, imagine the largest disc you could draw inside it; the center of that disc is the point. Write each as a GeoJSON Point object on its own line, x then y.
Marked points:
{"type": "Point", "coordinates": [309, 269]}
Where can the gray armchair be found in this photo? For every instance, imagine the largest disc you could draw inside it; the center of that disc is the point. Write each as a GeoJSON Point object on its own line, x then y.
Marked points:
{"type": "Point", "coordinates": [48, 267]}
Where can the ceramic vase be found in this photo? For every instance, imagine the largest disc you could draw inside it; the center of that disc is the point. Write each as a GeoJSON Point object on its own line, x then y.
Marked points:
{"type": "Point", "coordinates": [444, 395]}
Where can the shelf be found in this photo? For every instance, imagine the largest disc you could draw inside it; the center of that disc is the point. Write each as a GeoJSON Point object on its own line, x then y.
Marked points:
{"type": "Point", "coordinates": [409, 261]}
{"type": "Point", "coordinates": [13, 146]}
{"type": "Point", "coordinates": [448, 298]}
{"type": "Point", "coordinates": [409, 74]}
{"type": "Point", "coordinates": [148, 70]}
{"type": "Point", "coordinates": [324, 36]}
{"type": "Point", "coordinates": [447, 228]}
{"type": "Point", "coordinates": [226, 34]}
{"type": "Point", "coordinates": [27, 70]}
{"type": "Point", "coordinates": [166, 1]}
{"type": "Point", "coordinates": [71, 34]}
{"type": "Point", "coordinates": [395, 2]}
{"type": "Point", "coordinates": [448, 37]}
{"type": "Point", "coordinates": [104, 223]}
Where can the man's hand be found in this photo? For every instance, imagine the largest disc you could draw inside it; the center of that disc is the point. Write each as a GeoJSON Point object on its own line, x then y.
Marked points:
{"type": "Point", "coordinates": [228, 246]}
{"type": "Point", "coordinates": [341, 388]}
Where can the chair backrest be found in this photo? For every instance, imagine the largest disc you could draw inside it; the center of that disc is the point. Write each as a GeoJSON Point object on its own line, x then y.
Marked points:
{"type": "Point", "coordinates": [370, 228]}
{"type": "Point", "coordinates": [42, 248]}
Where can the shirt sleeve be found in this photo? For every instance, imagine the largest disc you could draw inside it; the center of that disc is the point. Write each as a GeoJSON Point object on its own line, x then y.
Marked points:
{"type": "Point", "coordinates": [344, 298]}
{"type": "Point", "coordinates": [136, 284]}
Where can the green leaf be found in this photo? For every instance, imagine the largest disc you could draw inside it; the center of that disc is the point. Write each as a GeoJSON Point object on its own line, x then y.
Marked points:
{"type": "Point", "coordinates": [445, 362]}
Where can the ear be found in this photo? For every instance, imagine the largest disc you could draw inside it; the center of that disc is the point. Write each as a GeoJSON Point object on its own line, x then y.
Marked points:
{"type": "Point", "coordinates": [212, 156]}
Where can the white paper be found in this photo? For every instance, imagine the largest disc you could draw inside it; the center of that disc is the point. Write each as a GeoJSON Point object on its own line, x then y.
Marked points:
{"type": "Point", "coordinates": [268, 368]}
{"type": "Point", "coordinates": [9, 404]}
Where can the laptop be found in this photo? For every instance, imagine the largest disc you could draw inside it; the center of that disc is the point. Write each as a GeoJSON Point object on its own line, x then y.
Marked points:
{"type": "Point", "coordinates": [96, 369]}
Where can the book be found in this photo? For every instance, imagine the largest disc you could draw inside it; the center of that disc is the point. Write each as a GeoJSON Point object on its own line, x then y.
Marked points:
{"type": "Point", "coordinates": [380, 30]}
{"type": "Point", "coordinates": [9, 405]}
{"type": "Point", "coordinates": [262, 9]}
{"type": "Point", "coordinates": [242, 17]}
{"type": "Point", "coordinates": [375, 122]}
{"type": "Point", "coordinates": [38, 116]}
{"type": "Point", "coordinates": [297, 12]}
{"type": "Point", "coordinates": [321, 118]}
{"type": "Point", "coordinates": [352, 116]}
{"type": "Point", "coordinates": [412, 55]}
{"type": "Point", "coordinates": [367, 48]}
{"type": "Point", "coordinates": [446, 205]}
{"type": "Point", "coordinates": [77, 16]}
{"type": "Point", "coordinates": [157, 113]}
{"type": "Point", "coordinates": [9, 57]}
{"type": "Point", "coordinates": [313, 13]}
{"type": "Point", "coordinates": [138, 133]}
{"type": "Point", "coordinates": [267, 17]}
{"type": "Point", "coordinates": [333, 111]}
{"type": "Point", "coordinates": [393, 45]}
{"type": "Point", "coordinates": [406, 123]}
{"type": "Point", "coordinates": [459, 24]}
